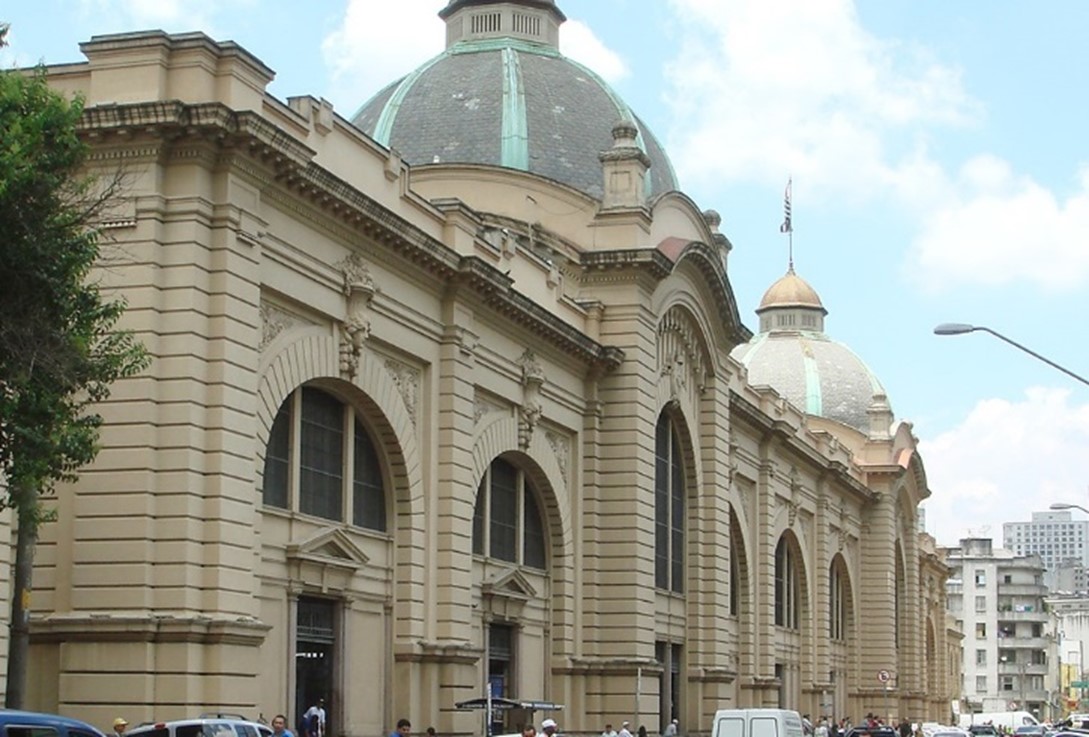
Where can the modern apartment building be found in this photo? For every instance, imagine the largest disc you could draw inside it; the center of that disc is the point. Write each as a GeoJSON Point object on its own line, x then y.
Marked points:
{"type": "Point", "coordinates": [1054, 536]}
{"type": "Point", "coordinates": [1010, 652]}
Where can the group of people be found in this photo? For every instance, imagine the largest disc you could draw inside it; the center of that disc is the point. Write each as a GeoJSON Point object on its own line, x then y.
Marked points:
{"type": "Point", "coordinates": [830, 727]}
{"type": "Point", "coordinates": [671, 730]}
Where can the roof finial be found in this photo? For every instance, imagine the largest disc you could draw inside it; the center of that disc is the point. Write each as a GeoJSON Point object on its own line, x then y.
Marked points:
{"type": "Point", "coordinates": [788, 227]}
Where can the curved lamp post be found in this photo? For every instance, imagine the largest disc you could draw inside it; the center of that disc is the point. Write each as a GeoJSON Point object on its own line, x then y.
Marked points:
{"type": "Point", "coordinates": [959, 328]}
{"type": "Point", "coordinates": [1060, 506]}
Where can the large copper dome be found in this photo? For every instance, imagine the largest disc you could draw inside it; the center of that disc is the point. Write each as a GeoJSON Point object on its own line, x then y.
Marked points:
{"type": "Point", "coordinates": [503, 95]}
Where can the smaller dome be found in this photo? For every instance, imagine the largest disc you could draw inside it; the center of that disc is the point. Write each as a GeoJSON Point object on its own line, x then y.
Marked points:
{"type": "Point", "coordinates": [790, 291]}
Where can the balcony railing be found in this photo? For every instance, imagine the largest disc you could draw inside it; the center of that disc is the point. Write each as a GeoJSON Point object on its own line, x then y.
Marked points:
{"type": "Point", "coordinates": [1011, 616]}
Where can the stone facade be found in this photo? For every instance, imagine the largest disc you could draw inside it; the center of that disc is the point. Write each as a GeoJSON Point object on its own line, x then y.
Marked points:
{"type": "Point", "coordinates": [408, 432]}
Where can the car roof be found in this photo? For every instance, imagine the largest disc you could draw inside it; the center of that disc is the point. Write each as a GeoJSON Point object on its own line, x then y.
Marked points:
{"type": "Point", "coordinates": [201, 720]}
{"type": "Point", "coordinates": [35, 718]}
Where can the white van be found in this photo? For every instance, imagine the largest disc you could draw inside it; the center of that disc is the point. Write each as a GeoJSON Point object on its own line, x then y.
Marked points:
{"type": "Point", "coordinates": [756, 723]}
{"type": "Point", "coordinates": [1011, 720]}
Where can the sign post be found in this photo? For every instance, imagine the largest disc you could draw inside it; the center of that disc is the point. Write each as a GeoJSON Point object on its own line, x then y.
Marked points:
{"type": "Point", "coordinates": [883, 677]}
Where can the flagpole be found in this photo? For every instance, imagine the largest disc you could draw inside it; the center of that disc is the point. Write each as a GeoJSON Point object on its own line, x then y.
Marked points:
{"type": "Point", "coordinates": [788, 224]}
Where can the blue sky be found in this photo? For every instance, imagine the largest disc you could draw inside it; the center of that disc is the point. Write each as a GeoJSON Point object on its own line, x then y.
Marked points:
{"type": "Point", "coordinates": [939, 160]}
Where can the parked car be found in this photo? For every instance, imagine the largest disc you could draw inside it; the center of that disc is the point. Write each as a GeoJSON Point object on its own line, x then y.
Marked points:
{"type": "Point", "coordinates": [202, 727]}
{"type": "Point", "coordinates": [36, 724]}
{"type": "Point", "coordinates": [982, 730]}
{"type": "Point", "coordinates": [878, 731]}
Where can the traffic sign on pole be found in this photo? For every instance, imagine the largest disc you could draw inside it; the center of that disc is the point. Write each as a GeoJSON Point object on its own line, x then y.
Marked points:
{"type": "Point", "coordinates": [883, 676]}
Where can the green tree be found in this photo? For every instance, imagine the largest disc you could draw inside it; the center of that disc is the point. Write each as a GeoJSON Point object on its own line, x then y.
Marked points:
{"type": "Point", "coordinates": [59, 347]}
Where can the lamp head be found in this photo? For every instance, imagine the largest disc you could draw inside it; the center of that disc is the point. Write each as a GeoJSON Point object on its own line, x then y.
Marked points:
{"type": "Point", "coordinates": [1059, 506]}
{"type": "Point", "coordinates": [953, 328]}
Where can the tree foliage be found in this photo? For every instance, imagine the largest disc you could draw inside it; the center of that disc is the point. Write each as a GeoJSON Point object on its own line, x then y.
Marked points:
{"type": "Point", "coordinates": [59, 347]}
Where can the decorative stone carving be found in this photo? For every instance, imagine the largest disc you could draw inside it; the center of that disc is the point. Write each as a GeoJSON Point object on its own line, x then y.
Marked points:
{"type": "Point", "coordinates": [681, 354]}
{"type": "Point", "coordinates": [359, 288]}
{"type": "Point", "coordinates": [483, 405]}
{"type": "Point", "coordinates": [795, 502]}
{"type": "Point", "coordinates": [562, 448]}
{"type": "Point", "coordinates": [407, 379]}
{"type": "Point", "coordinates": [275, 320]}
{"type": "Point", "coordinates": [532, 381]}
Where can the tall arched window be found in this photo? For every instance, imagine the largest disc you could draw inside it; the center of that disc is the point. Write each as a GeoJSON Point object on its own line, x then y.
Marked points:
{"type": "Point", "coordinates": [507, 522]}
{"type": "Point", "coordinates": [320, 449]}
{"type": "Point", "coordinates": [837, 601]}
{"type": "Point", "coordinates": [668, 508]}
{"type": "Point", "coordinates": [738, 566]}
{"type": "Point", "coordinates": [786, 587]}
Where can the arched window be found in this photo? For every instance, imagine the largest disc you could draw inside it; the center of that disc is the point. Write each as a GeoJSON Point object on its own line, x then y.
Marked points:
{"type": "Point", "coordinates": [507, 520]}
{"type": "Point", "coordinates": [837, 601]}
{"type": "Point", "coordinates": [668, 508]}
{"type": "Point", "coordinates": [319, 448]}
{"type": "Point", "coordinates": [786, 587]}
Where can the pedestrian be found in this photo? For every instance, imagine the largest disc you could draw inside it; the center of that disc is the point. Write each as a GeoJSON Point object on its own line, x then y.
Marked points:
{"type": "Point", "coordinates": [905, 727]}
{"type": "Point", "coordinates": [548, 726]}
{"type": "Point", "coordinates": [314, 718]}
{"type": "Point", "coordinates": [642, 731]}
{"type": "Point", "coordinates": [119, 726]}
{"type": "Point", "coordinates": [608, 731]}
{"type": "Point", "coordinates": [624, 731]}
{"type": "Point", "coordinates": [279, 727]}
{"type": "Point", "coordinates": [821, 730]}
{"type": "Point", "coordinates": [529, 731]}
{"type": "Point", "coordinates": [404, 728]}
{"type": "Point", "coordinates": [670, 730]}
{"type": "Point", "coordinates": [430, 732]}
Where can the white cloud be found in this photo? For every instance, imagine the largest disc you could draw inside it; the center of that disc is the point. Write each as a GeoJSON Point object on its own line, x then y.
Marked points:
{"type": "Point", "coordinates": [365, 55]}
{"type": "Point", "coordinates": [1004, 228]}
{"type": "Point", "coordinates": [1004, 461]}
{"type": "Point", "coordinates": [764, 87]}
{"type": "Point", "coordinates": [578, 42]}
{"type": "Point", "coordinates": [173, 16]}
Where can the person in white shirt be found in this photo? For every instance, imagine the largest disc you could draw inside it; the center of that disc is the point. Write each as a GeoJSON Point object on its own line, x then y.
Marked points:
{"type": "Point", "coordinates": [609, 731]}
{"type": "Point", "coordinates": [624, 731]}
{"type": "Point", "coordinates": [315, 719]}
{"type": "Point", "coordinates": [671, 729]}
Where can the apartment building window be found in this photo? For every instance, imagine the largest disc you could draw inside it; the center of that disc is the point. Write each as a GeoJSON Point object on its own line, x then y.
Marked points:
{"type": "Point", "coordinates": [981, 603]}
{"type": "Point", "coordinates": [981, 579]}
{"type": "Point", "coordinates": [981, 657]}
{"type": "Point", "coordinates": [981, 630]}
{"type": "Point", "coordinates": [981, 684]}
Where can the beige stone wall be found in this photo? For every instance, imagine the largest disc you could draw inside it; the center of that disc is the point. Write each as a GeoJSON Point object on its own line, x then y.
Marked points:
{"type": "Point", "coordinates": [273, 249]}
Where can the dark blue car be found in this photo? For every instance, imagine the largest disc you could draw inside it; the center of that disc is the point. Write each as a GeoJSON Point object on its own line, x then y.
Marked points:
{"type": "Point", "coordinates": [34, 724]}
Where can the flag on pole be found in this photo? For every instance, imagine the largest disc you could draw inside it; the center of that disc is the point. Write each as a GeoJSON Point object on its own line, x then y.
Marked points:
{"type": "Point", "coordinates": [786, 227]}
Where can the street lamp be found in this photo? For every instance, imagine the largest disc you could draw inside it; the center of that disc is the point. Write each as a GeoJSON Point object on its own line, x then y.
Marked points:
{"type": "Point", "coordinates": [959, 328]}
{"type": "Point", "coordinates": [1060, 506]}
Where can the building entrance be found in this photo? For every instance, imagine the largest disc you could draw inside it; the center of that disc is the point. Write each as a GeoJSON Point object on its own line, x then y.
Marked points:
{"type": "Point", "coordinates": [315, 652]}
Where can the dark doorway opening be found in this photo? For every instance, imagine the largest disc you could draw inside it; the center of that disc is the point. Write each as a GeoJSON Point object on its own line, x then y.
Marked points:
{"type": "Point", "coordinates": [315, 651]}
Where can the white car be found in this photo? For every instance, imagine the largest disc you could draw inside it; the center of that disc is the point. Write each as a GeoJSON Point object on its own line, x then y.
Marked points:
{"type": "Point", "coordinates": [203, 727]}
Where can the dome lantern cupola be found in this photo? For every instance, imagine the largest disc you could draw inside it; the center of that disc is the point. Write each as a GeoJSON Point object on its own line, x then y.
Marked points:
{"type": "Point", "coordinates": [477, 20]}
{"type": "Point", "coordinates": [790, 304]}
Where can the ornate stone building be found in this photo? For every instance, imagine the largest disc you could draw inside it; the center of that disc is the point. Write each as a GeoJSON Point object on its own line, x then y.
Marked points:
{"type": "Point", "coordinates": [443, 400]}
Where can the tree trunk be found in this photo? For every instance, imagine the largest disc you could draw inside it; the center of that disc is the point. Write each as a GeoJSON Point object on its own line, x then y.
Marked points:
{"type": "Point", "coordinates": [19, 643]}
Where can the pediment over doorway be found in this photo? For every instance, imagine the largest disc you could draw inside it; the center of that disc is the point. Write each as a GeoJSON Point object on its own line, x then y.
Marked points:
{"type": "Point", "coordinates": [326, 559]}
{"type": "Point", "coordinates": [506, 593]}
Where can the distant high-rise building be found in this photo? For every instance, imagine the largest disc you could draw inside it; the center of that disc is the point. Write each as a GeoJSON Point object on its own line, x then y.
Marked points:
{"type": "Point", "coordinates": [1054, 536]}
{"type": "Point", "coordinates": [1010, 654]}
